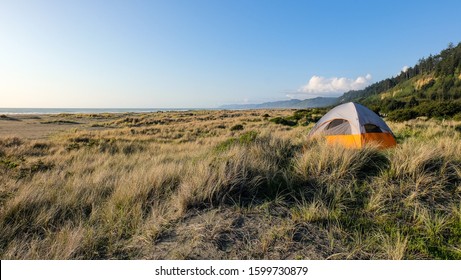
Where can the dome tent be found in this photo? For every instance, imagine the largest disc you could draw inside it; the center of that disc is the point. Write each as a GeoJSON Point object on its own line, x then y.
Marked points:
{"type": "Point", "coordinates": [353, 125]}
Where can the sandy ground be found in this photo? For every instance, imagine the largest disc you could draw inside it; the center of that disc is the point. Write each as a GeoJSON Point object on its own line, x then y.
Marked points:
{"type": "Point", "coordinates": [42, 126]}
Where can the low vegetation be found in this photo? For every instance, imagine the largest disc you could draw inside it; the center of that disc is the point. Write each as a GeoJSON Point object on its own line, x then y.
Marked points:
{"type": "Point", "coordinates": [182, 186]}
{"type": "Point", "coordinates": [302, 117]}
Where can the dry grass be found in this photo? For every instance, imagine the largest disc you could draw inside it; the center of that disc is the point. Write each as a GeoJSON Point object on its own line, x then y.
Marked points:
{"type": "Point", "coordinates": [185, 185]}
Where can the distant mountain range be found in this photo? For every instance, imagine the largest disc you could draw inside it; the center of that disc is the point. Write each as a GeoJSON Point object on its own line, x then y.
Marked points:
{"type": "Point", "coordinates": [287, 104]}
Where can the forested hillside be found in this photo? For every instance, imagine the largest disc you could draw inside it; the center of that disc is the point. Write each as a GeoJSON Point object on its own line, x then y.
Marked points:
{"type": "Point", "coordinates": [431, 88]}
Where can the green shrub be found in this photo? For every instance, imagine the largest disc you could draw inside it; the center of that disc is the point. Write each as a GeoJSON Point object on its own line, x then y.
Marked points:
{"type": "Point", "coordinates": [236, 127]}
{"type": "Point", "coordinates": [284, 121]}
{"type": "Point", "coordinates": [402, 115]}
{"type": "Point", "coordinates": [248, 137]}
{"type": "Point", "coordinates": [300, 114]}
{"type": "Point", "coordinates": [458, 128]}
{"type": "Point", "coordinates": [9, 163]}
{"type": "Point", "coordinates": [395, 105]}
{"type": "Point", "coordinates": [244, 139]}
{"type": "Point", "coordinates": [313, 118]}
{"type": "Point", "coordinates": [439, 109]}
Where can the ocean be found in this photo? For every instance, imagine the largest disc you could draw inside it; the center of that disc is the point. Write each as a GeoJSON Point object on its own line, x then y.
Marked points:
{"type": "Point", "coordinates": [14, 111]}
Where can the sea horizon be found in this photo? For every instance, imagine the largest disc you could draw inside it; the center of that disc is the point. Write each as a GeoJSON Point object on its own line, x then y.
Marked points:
{"type": "Point", "coordinates": [37, 111]}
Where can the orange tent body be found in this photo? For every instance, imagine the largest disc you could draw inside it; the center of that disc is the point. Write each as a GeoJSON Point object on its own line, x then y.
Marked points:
{"type": "Point", "coordinates": [357, 141]}
{"type": "Point", "coordinates": [353, 126]}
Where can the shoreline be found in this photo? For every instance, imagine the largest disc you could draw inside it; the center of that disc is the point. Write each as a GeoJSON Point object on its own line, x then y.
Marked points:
{"type": "Point", "coordinates": [57, 111]}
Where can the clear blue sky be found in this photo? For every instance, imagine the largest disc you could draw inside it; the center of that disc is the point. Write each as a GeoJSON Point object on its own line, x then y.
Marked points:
{"type": "Point", "coordinates": [203, 53]}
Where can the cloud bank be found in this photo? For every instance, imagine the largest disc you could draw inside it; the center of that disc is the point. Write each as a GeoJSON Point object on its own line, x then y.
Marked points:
{"type": "Point", "coordinates": [331, 86]}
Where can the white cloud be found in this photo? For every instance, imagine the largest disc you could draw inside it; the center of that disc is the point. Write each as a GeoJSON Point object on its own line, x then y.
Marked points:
{"type": "Point", "coordinates": [318, 85]}
{"type": "Point", "coordinates": [405, 68]}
